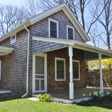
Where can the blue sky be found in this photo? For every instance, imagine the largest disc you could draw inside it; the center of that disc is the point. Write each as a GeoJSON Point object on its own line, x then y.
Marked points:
{"type": "Point", "coordinates": [12, 2]}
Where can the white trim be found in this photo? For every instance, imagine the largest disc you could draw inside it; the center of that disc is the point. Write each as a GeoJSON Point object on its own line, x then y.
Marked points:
{"type": "Point", "coordinates": [56, 69]}
{"type": "Point", "coordinates": [45, 74]}
{"type": "Point", "coordinates": [11, 39]}
{"type": "Point", "coordinates": [5, 50]}
{"type": "Point", "coordinates": [49, 20]}
{"type": "Point", "coordinates": [4, 91]}
{"type": "Point", "coordinates": [74, 44]}
{"type": "Point", "coordinates": [78, 68]}
{"type": "Point", "coordinates": [67, 26]}
{"type": "Point", "coordinates": [55, 40]}
{"type": "Point", "coordinates": [0, 69]}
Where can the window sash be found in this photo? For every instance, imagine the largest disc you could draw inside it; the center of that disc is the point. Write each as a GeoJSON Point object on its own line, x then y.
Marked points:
{"type": "Point", "coordinates": [53, 29]}
{"type": "Point", "coordinates": [70, 33]}
{"type": "Point", "coordinates": [60, 69]}
{"type": "Point", "coordinates": [76, 74]}
{"type": "Point", "coordinates": [13, 39]}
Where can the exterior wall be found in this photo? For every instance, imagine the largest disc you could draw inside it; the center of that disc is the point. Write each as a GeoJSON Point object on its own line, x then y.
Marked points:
{"type": "Point", "coordinates": [14, 65]}
{"type": "Point", "coordinates": [41, 28]}
{"type": "Point", "coordinates": [63, 85]}
{"type": "Point", "coordinates": [13, 76]}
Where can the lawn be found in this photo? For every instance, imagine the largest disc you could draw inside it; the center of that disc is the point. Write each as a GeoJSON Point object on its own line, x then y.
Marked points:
{"type": "Point", "coordinates": [26, 105]}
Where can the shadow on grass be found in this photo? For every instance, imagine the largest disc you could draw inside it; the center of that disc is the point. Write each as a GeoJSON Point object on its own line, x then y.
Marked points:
{"type": "Point", "coordinates": [106, 103]}
{"type": "Point", "coordinates": [7, 98]}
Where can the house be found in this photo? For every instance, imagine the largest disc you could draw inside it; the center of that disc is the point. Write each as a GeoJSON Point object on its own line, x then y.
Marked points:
{"type": "Point", "coordinates": [47, 53]}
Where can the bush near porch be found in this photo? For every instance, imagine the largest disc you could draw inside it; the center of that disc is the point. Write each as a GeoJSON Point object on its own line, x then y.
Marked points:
{"type": "Point", "coordinates": [26, 105]}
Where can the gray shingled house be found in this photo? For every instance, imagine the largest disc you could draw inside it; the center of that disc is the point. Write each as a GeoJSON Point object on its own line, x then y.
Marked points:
{"type": "Point", "coordinates": [47, 53]}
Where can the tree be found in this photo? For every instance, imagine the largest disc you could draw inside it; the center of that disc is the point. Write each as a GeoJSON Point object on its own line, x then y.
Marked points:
{"type": "Point", "coordinates": [30, 8]}
{"type": "Point", "coordinates": [10, 17]}
{"type": "Point", "coordinates": [94, 66]}
{"type": "Point", "coordinates": [76, 6]}
{"type": "Point", "coordinates": [104, 21]}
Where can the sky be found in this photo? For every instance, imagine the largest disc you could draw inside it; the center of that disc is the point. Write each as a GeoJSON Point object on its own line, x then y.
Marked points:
{"type": "Point", "coordinates": [12, 2]}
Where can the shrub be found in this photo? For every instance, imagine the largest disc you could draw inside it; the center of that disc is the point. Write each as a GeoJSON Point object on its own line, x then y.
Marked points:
{"type": "Point", "coordinates": [45, 97]}
{"type": "Point", "coordinates": [97, 97]}
{"type": "Point", "coordinates": [108, 94]}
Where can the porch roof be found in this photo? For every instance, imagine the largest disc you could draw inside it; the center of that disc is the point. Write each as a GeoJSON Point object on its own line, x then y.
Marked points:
{"type": "Point", "coordinates": [90, 52]}
{"type": "Point", "coordinates": [5, 50]}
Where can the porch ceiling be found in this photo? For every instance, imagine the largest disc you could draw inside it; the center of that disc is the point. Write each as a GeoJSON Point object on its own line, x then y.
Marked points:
{"type": "Point", "coordinates": [5, 50]}
{"type": "Point", "coordinates": [93, 56]}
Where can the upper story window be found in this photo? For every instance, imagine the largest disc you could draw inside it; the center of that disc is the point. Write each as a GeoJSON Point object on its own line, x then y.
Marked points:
{"type": "Point", "coordinates": [76, 70]}
{"type": "Point", "coordinates": [53, 28]}
{"type": "Point", "coordinates": [13, 39]}
{"type": "Point", "coordinates": [70, 32]}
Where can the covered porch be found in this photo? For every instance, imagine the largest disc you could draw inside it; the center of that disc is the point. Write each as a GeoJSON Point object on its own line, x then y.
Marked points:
{"type": "Point", "coordinates": [88, 52]}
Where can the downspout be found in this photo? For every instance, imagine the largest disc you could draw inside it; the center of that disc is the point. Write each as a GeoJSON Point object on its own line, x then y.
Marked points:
{"type": "Point", "coordinates": [27, 63]}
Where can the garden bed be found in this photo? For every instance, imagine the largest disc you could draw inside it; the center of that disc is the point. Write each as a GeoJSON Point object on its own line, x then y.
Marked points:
{"type": "Point", "coordinates": [105, 100]}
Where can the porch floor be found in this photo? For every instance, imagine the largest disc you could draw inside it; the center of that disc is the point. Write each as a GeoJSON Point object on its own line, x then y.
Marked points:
{"type": "Point", "coordinates": [64, 94]}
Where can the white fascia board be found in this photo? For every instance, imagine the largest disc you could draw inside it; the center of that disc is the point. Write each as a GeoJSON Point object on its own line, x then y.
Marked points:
{"type": "Point", "coordinates": [46, 13]}
{"type": "Point", "coordinates": [55, 40]}
{"type": "Point", "coordinates": [6, 48]}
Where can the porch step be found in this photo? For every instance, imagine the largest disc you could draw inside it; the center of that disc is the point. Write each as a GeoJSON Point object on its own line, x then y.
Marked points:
{"type": "Point", "coordinates": [34, 95]}
{"type": "Point", "coordinates": [3, 91]}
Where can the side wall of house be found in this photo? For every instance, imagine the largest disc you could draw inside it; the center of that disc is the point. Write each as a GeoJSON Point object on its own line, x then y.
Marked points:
{"type": "Point", "coordinates": [63, 85]}
{"type": "Point", "coordinates": [13, 74]}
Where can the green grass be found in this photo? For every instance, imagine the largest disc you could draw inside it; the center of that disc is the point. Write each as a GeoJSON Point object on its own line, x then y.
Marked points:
{"type": "Point", "coordinates": [26, 105]}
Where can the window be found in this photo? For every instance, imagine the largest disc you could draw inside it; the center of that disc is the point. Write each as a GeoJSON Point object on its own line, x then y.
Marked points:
{"type": "Point", "coordinates": [76, 70]}
{"type": "Point", "coordinates": [53, 28]}
{"type": "Point", "coordinates": [13, 39]}
{"type": "Point", "coordinates": [70, 32]}
{"type": "Point", "coordinates": [60, 69]}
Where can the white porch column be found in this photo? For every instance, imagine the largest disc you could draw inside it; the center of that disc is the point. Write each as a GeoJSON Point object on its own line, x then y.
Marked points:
{"type": "Point", "coordinates": [101, 79]}
{"type": "Point", "coordinates": [71, 85]}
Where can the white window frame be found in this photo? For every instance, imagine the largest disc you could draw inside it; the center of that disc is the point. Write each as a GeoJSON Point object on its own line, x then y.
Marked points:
{"type": "Point", "coordinates": [0, 69]}
{"type": "Point", "coordinates": [49, 20]}
{"type": "Point", "coordinates": [67, 26]}
{"type": "Point", "coordinates": [78, 67]}
{"type": "Point", "coordinates": [56, 70]}
{"type": "Point", "coordinates": [11, 39]}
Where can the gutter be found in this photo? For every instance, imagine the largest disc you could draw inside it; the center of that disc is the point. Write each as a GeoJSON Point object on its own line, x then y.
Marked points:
{"type": "Point", "coordinates": [27, 63]}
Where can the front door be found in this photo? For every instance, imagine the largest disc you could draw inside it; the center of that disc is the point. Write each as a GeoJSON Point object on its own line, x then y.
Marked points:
{"type": "Point", "coordinates": [40, 73]}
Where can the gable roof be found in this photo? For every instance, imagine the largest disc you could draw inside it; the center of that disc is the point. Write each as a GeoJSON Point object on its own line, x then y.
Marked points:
{"type": "Point", "coordinates": [45, 14]}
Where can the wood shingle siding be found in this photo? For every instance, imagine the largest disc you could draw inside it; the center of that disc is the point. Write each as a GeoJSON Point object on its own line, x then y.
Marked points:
{"type": "Point", "coordinates": [14, 65]}
{"type": "Point", "coordinates": [41, 28]}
